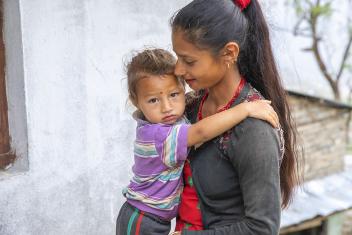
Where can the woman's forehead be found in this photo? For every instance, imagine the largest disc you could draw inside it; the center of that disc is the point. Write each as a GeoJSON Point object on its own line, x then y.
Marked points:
{"type": "Point", "coordinates": [181, 46]}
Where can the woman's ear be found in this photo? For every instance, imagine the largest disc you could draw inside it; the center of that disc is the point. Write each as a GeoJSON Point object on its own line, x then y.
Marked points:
{"type": "Point", "coordinates": [230, 52]}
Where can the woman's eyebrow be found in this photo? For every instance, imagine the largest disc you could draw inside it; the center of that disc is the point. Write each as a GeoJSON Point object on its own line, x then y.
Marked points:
{"type": "Point", "coordinates": [183, 56]}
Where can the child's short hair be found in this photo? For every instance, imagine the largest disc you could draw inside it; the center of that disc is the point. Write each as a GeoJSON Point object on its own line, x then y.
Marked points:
{"type": "Point", "coordinates": [146, 63]}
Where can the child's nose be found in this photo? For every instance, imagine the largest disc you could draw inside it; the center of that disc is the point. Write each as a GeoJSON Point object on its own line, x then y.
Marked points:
{"type": "Point", "coordinates": [166, 106]}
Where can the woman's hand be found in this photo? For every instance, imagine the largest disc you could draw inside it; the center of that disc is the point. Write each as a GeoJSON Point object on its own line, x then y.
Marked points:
{"type": "Point", "coordinates": [261, 109]}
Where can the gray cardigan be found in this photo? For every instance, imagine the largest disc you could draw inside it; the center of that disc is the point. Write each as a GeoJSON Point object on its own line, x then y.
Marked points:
{"type": "Point", "coordinates": [238, 181]}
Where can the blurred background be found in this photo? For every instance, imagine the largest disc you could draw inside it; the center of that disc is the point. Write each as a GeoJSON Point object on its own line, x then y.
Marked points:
{"type": "Point", "coordinates": [66, 131]}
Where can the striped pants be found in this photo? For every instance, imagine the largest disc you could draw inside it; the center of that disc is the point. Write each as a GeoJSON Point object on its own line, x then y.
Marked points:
{"type": "Point", "coordinates": [132, 221]}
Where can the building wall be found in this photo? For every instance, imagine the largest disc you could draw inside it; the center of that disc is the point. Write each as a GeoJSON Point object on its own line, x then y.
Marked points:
{"type": "Point", "coordinates": [347, 223]}
{"type": "Point", "coordinates": [80, 132]}
{"type": "Point", "coordinates": [322, 133]}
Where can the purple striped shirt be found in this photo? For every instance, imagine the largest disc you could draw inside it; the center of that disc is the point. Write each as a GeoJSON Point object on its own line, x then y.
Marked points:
{"type": "Point", "coordinates": [160, 151]}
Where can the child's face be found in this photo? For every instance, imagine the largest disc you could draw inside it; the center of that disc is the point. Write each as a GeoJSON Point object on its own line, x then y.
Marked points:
{"type": "Point", "coordinates": [161, 98]}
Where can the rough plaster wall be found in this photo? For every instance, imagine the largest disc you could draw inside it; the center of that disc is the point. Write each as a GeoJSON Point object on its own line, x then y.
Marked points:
{"type": "Point", "coordinates": [79, 131]}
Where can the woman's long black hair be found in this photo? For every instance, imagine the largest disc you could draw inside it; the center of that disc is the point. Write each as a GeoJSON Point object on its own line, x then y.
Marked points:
{"type": "Point", "coordinates": [211, 24]}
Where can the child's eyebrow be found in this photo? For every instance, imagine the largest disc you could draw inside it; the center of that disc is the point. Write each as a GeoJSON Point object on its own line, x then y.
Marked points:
{"type": "Point", "coordinates": [151, 94]}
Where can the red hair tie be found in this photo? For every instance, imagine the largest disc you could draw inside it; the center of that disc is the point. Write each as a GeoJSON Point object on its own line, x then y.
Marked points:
{"type": "Point", "coordinates": [242, 4]}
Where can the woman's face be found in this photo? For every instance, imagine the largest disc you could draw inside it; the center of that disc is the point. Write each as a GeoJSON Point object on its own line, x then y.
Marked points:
{"type": "Point", "coordinates": [199, 68]}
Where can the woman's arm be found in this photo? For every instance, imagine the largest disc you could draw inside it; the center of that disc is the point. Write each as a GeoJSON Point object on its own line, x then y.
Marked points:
{"type": "Point", "coordinates": [218, 123]}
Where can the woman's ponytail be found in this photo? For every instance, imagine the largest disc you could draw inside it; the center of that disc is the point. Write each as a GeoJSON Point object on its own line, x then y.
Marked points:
{"type": "Point", "coordinates": [257, 65]}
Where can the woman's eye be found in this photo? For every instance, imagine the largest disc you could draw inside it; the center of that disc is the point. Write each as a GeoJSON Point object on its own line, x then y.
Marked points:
{"type": "Point", "coordinates": [174, 94]}
{"type": "Point", "coordinates": [190, 62]}
{"type": "Point", "coordinates": [153, 100]}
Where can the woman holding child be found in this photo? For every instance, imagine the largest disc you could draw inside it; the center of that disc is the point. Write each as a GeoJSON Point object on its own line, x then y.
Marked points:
{"type": "Point", "coordinates": [238, 182]}
{"type": "Point", "coordinates": [240, 171]}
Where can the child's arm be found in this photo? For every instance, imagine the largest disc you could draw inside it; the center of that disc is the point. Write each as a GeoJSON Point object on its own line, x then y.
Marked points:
{"type": "Point", "coordinates": [218, 123]}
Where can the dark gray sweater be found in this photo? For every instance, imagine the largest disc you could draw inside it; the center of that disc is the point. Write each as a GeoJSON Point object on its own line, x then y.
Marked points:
{"type": "Point", "coordinates": [237, 180]}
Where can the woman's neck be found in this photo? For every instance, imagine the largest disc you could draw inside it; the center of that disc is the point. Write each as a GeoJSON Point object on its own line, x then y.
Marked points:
{"type": "Point", "coordinates": [222, 92]}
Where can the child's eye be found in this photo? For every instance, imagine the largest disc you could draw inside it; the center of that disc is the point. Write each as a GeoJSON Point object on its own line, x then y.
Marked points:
{"type": "Point", "coordinates": [153, 100]}
{"type": "Point", "coordinates": [174, 94]}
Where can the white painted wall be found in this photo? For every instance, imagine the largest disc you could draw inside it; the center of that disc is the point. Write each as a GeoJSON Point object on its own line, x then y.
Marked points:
{"type": "Point", "coordinates": [79, 132]}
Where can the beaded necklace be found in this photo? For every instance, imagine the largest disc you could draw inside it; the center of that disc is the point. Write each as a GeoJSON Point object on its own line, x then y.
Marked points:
{"type": "Point", "coordinates": [227, 106]}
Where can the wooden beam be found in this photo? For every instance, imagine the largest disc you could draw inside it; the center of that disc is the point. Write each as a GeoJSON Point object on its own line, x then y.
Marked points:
{"type": "Point", "coordinates": [6, 157]}
{"type": "Point", "coordinates": [302, 226]}
{"type": "Point", "coordinates": [6, 160]}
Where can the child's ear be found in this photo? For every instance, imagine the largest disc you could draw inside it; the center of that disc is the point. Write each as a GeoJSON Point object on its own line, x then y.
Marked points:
{"type": "Point", "coordinates": [230, 52]}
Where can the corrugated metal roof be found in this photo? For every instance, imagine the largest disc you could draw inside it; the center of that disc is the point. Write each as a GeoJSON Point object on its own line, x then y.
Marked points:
{"type": "Point", "coordinates": [329, 102]}
{"type": "Point", "coordinates": [321, 197]}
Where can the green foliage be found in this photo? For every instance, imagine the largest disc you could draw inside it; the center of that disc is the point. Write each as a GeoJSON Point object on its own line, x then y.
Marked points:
{"type": "Point", "coordinates": [321, 10]}
{"type": "Point", "coordinates": [304, 7]}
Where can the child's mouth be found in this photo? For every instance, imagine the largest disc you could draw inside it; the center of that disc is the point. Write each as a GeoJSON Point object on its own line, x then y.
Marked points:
{"type": "Point", "coordinates": [170, 118]}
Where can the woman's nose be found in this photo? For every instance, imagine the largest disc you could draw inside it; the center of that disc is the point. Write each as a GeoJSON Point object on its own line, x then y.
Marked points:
{"type": "Point", "coordinates": [179, 70]}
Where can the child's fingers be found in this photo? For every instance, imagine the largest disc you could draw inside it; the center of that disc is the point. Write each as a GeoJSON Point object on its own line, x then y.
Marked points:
{"type": "Point", "coordinates": [275, 120]}
{"type": "Point", "coordinates": [265, 101]}
{"type": "Point", "coordinates": [272, 122]}
{"type": "Point", "coordinates": [275, 116]}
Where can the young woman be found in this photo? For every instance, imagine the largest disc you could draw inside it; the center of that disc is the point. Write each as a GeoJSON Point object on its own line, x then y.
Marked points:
{"type": "Point", "coordinates": [238, 182]}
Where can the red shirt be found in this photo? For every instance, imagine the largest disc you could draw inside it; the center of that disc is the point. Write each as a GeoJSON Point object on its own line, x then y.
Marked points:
{"type": "Point", "coordinates": [189, 215]}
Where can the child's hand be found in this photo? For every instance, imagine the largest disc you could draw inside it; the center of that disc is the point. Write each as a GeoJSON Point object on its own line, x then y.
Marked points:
{"type": "Point", "coordinates": [176, 233]}
{"type": "Point", "coordinates": [261, 109]}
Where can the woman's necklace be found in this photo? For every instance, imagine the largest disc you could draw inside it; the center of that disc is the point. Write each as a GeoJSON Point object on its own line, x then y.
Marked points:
{"type": "Point", "coordinates": [227, 106]}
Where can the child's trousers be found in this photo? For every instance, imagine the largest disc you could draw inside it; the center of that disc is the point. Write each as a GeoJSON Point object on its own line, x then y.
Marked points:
{"type": "Point", "coordinates": [132, 221]}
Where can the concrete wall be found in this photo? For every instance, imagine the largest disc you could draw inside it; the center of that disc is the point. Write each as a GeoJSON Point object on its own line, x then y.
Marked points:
{"type": "Point", "coordinates": [323, 134]}
{"type": "Point", "coordinates": [79, 131]}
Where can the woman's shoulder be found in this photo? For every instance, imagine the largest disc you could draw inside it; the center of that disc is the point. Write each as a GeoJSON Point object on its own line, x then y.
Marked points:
{"type": "Point", "coordinates": [250, 126]}
{"type": "Point", "coordinates": [257, 135]}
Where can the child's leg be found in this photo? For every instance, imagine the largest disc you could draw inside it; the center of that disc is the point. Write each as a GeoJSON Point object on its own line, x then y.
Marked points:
{"type": "Point", "coordinates": [132, 221]}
